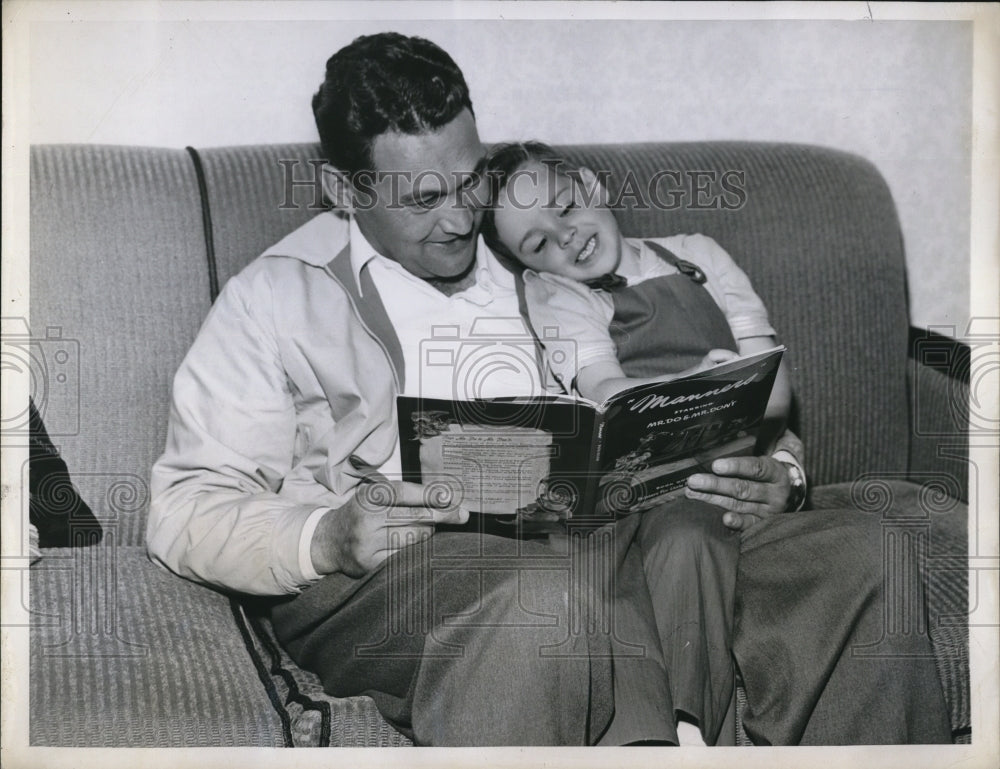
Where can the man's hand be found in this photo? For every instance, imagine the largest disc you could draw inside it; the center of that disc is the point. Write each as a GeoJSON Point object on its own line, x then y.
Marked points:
{"type": "Point", "coordinates": [748, 488]}
{"type": "Point", "coordinates": [380, 519]}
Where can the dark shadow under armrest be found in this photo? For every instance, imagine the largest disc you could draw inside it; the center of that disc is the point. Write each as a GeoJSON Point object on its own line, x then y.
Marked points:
{"type": "Point", "coordinates": [938, 375]}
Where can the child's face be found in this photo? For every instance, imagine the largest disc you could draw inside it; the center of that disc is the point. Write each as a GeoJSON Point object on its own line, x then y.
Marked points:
{"type": "Point", "coordinates": [552, 223]}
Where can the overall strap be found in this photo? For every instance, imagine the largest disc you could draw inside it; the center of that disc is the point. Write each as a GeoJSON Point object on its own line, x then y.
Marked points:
{"type": "Point", "coordinates": [522, 306]}
{"type": "Point", "coordinates": [668, 323]}
{"type": "Point", "coordinates": [693, 271]}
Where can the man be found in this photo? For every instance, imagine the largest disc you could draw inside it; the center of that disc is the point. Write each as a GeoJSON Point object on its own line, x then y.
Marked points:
{"type": "Point", "coordinates": [282, 454]}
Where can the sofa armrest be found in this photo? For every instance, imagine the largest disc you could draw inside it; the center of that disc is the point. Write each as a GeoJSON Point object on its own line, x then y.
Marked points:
{"type": "Point", "coordinates": [938, 376]}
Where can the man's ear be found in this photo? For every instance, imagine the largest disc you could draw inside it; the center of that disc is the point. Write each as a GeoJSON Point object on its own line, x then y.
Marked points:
{"type": "Point", "coordinates": [337, 189]}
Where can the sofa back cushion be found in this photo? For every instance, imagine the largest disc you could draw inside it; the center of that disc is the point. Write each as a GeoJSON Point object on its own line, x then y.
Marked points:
{"type": "Point", "coordinates": [121, 265]}
{"type": "Point", "coordinates": [817, 232]}
{"type": "Point", "coordinates": [257, 195]}
{"type": "Point", "coordinates": [118, 267]}
{"type": "Point", "coordinates": [815, 229]}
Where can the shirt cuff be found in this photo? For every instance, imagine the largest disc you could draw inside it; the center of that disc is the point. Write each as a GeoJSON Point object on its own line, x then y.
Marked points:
{"type": "Point", "coordinates": [306, 566]}
{"type": "Point", "coordinates": [783, 455]}
{"type": "Point", "coordinates": [746, 326]}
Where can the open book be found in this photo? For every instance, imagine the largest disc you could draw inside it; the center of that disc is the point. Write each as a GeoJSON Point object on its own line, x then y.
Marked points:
{"type": "Point", "coordinates": [553, 460]}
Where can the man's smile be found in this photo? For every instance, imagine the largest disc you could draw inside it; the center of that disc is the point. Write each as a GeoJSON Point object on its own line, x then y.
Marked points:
{"type": "Point", "coordinates": [452, 244]}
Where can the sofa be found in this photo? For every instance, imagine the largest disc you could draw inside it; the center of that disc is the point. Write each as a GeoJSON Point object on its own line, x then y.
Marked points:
{"type": "Point", "coordinates": [130, 246]}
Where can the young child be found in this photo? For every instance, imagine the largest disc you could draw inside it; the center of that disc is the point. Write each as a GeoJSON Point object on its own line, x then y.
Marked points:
{"type": "Point", "coordinates": [640, 310]}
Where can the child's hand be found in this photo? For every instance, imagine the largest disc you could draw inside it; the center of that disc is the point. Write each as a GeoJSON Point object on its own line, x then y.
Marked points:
{"type": "Point", "coordinates": [717, 356]}
{"type": "Point", "coordinates": [713, 358]}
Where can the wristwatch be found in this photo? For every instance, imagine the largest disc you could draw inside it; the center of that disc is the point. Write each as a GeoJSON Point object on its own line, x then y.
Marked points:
{"type": "Point", "coordinates": [797, 488]}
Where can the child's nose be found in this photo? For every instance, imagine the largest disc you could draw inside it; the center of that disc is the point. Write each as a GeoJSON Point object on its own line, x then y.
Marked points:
{"type": "Point", "coordinates": [567, 235]}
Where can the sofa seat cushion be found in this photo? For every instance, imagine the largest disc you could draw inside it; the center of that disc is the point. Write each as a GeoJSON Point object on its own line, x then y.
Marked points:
{"type": "Point", "coordinates": [124, 653]}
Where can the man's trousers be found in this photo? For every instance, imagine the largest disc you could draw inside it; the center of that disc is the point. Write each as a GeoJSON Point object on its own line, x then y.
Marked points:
{"type": "Point", "coordinates": [475, 639]}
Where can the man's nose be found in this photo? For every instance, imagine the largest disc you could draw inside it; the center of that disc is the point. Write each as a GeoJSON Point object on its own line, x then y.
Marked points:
{"type": "Point", "coordinates": [457, 220]}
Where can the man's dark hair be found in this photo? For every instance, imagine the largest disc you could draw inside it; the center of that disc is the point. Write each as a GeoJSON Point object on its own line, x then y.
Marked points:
{"type": "Point", "coordinates": [384, 83]}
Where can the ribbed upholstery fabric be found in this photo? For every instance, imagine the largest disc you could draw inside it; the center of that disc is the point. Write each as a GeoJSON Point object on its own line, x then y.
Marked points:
{"type": "Point", "coordinates": [124, 653]}
{"type": "Point", "coordinates": [252, 200]}
{"type": "Point", "coordinates": [741, 703]}
{"type": "Point", "coordinates": [942, 520]}
{"type": "Point", "coordinates": [939, 416]}
{"type": "Point", "coordinates": [118, 262]}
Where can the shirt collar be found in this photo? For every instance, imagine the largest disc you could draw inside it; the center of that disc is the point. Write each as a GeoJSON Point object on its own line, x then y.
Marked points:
{"type": "Point", "coordinates": [362, 251]}
{"type": "Point", "coordinates": [630, 266]}
{"type": "Point", "coordinates": [490, 272]}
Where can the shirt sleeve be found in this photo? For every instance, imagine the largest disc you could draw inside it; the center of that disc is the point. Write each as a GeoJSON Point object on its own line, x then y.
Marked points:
{"type": "Point", "coordinates": [215, 514]}
{"type": "Point", "coordinates": [730, 287]}
{"type": "Point", "coordinates": [569, 310]}
{"type": "Point", "coordinates": [790, 449]}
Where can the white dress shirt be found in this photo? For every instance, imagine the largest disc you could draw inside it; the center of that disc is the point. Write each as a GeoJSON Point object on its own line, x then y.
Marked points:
{"type": "Point", "coordinates": [472, 344]}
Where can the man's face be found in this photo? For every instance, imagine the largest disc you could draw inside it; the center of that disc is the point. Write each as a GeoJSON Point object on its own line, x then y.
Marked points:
{"type": "Point", "coordinates": [424, 215]}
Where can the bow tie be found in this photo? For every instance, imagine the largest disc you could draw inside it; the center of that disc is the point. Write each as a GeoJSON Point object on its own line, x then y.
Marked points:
{"type": "Point", "coordinates": [607, 282]}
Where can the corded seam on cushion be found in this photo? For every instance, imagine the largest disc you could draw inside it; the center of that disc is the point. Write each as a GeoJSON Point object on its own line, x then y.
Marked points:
{"type": "Point", "coordinates": [294, 693]}
{"type": "Point", "coordinates": [206, 222]}
{"type": "Point", "coordinates": [262, 673]}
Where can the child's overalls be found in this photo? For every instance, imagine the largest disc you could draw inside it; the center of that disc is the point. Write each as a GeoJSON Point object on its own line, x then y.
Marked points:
{"type": "Point", "coordinates": [660, 326]}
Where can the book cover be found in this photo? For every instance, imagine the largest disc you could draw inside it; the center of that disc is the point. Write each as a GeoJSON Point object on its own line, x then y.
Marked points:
{"type": "Point", "coordinates": [550, 460]}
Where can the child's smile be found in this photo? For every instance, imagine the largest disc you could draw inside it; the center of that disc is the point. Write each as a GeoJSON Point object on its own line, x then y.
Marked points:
{"type": "Point", "coordinates": [588, 249]}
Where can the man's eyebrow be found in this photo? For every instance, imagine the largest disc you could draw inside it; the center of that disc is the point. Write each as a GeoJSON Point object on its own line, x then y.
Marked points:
{"type": "Point", "coordinates": [408, 198]}
{"type": "Point", "coordinates": [480, 166]}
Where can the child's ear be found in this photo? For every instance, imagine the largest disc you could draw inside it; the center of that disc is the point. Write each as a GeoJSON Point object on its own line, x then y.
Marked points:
{"type": "Point", "coordinates": [593, 185]}
{"type": "Point", "coordinates": [337, 188]}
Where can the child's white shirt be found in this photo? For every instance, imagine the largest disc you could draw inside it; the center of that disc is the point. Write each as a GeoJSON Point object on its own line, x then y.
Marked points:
{"type": "Point", "coordinates": [571, 310]}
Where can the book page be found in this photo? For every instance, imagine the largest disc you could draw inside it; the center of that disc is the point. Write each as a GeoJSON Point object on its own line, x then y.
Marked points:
{"type": "Point", "coordinates": [492, 470]}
